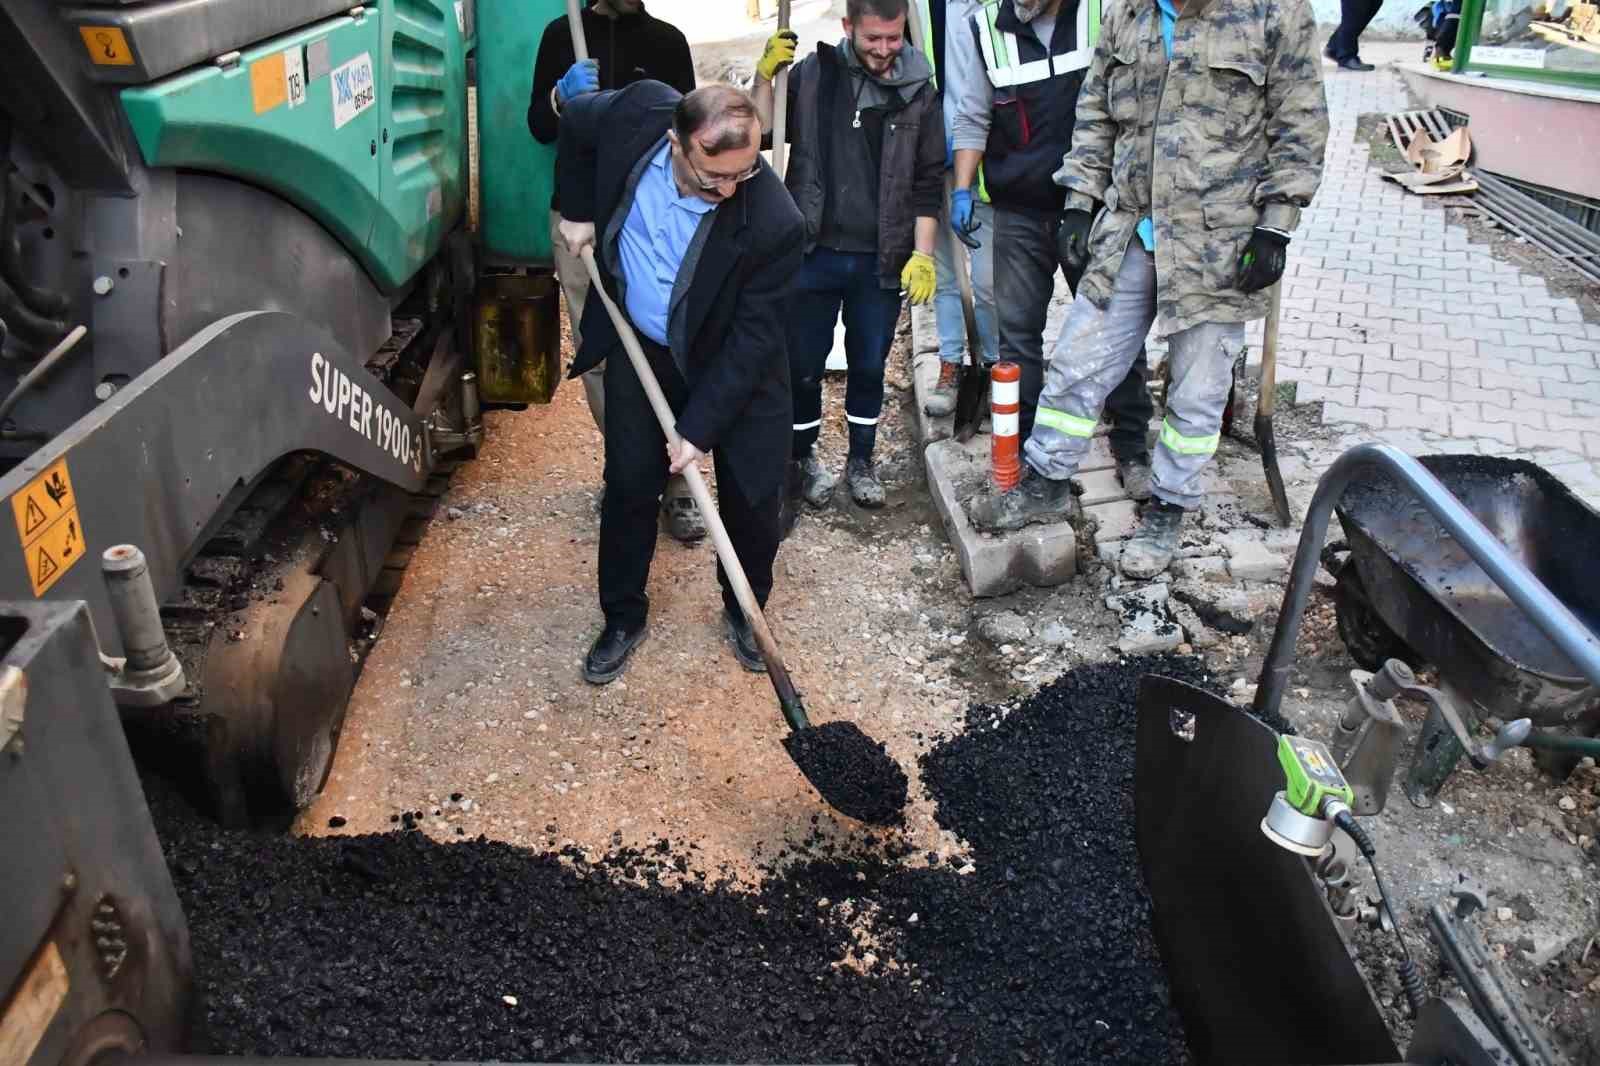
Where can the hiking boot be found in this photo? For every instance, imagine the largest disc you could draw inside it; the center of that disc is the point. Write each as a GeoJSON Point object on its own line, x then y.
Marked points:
{"type": "Point", "coordinates": [942, 400]}
{"type": "Point", "coordinates": [682, 518]}
{"type": "Point", "coordinates": [816, 484]}
{"type": "Point", "coordinates": [1136, 477]}
{"type": "Point", "coordinates": [608, 655]}
{"type": "Point", "coordinates": [1035, 498]}
{"type": "Point", "coordinates": [1150, 549]}
{"type": "Point", "coordinates": [865, 488]}
{"type": "Point", "coordinates": [742, 636]}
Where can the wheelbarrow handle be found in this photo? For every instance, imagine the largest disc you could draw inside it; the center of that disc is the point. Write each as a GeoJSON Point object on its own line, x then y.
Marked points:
{"type": "Point", "coordinates": [1514, 579]}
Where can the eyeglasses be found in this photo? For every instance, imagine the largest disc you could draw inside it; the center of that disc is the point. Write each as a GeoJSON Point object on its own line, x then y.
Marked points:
{"type": "Point", "coordinates": [716, 184]}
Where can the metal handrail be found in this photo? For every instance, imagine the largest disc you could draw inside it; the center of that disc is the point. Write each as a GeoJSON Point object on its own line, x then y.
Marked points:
{"type": "Point", "coordinates": [1515, 580]}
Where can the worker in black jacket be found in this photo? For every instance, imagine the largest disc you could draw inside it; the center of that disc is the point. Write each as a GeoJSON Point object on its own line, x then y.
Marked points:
{"type": "Point", "coordinates": [626, 44]}
{"type": "Point", "coordinates": [698, 240]}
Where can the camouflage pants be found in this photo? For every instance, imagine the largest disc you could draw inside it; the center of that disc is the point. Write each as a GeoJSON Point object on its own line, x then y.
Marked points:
{"type": "Point", "coordinates": [1097, 346]}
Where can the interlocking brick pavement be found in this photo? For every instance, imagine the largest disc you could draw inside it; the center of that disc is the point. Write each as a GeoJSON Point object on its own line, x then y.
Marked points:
{"type": "Point", "coordinates": [1410, 333]}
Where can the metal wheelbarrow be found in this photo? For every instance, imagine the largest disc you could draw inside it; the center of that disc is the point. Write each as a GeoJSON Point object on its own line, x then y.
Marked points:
{"type": "Point", "coordinates": [1407, 589]}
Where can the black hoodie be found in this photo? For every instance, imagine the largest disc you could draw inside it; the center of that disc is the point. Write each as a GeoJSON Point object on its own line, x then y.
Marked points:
{"type": "Point", "coordinates": [629, 48]}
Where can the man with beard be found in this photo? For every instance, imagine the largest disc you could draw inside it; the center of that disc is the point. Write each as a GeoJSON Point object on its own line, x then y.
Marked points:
{"type": "Point", "coordinates": [1016, 68]}
{"type": "Point", "coordinates": [867, 172]}
{"type": "Point", "coordinates": [627, 45]}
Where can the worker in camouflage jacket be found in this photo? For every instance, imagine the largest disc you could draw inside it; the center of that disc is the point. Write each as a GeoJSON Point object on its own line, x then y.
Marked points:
{"type": "Point", "coordinates": [1200, 135]}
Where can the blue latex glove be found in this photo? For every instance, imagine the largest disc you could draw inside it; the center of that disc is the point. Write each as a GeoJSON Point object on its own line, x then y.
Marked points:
{"type": "Point", "coordinates": [961, 219]}
{"type": "Point", "coordinates": [582, 77]}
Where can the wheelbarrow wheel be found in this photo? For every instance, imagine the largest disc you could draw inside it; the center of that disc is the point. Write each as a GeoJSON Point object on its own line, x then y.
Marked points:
{"type": "Point", "coordinates": [1367, 637]}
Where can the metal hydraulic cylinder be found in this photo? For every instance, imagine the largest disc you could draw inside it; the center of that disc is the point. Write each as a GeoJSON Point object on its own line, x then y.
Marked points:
{"type": "Point", "coordinates": [152, 674]}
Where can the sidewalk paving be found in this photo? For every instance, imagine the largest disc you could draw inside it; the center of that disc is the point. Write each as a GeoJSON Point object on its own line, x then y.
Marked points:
{"type": "Point", "coordinates": [1411, 334]}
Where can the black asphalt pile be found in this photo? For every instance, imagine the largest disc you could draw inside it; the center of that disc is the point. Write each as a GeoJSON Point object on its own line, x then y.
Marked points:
{"type": "Point", "coordinates": [853, 772]}
{"type": "Point", "coordinates": [1037, 950]}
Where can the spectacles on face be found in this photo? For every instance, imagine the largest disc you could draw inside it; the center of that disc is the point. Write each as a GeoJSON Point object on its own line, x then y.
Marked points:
{"type": "Point", "coordinates": [715, 184]}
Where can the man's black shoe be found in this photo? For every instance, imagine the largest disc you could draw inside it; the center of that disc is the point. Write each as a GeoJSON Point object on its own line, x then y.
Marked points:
{"type": "Point", "coordinates": [1354, 63]}
{"type": "Point", "coordinates": [608, 655]}
{"type": "Point", "coordinates": [743, 639]}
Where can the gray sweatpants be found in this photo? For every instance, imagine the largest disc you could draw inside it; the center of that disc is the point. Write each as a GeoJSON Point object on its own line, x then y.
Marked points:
{"type": "Point", "coordinates": [1092, 356]}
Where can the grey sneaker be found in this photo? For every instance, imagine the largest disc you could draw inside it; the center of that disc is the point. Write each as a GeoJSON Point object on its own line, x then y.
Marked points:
{"type": "Point", "coordinates": [865, 488]}
{"type": "Point", "coordinates": [1136, 477]}
{"type": "Point", "coordinates": [1149, 551]}
{"type": "Point", "coordinates": [1035, 498]}
{"type": "Point", "coordinates": [942, 400]}
{"type": "Point", "coordinates": [816, 484]}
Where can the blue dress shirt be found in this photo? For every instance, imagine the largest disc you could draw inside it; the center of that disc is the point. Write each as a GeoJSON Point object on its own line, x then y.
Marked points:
{"type": "Point", "coordinates": [654, 239]}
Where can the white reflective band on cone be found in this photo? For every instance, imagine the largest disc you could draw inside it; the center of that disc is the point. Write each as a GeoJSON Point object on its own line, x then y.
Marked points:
{"type": "Point", "coordinates": [1006, 425]}
{"type": "Point", "coordinates": [1004, 392]}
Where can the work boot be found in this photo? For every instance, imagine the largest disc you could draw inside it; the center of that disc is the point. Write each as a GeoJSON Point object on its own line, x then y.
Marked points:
{"type": "Point", "coordinates": [865, 488]}
{"type": "Point", "coordinates": [1149, 551]}
{"type": "Point", "coordinates": [816, 484]}
{"type": "Point", "coordinates": [1035, 498]}
{"type": "Point", "coordinates": [1136, 477]}
{"type": "Point", "coordinates": [1354, 63]}
{"type": "Point", "coordinates": [682, 518]}
{"type": "Point", "coordinates": [942, 400]}
{"type": "Point", "coordinates": [608, 655]}
{"type": "Point", "coordinates": [742, 636]}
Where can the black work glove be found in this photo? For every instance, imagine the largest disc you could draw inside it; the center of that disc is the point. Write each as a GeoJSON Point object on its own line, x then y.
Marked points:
{"type": "Point", "coordinates": [1263, 259]}
{"type": "Point", "coordinates": [1072, 239]}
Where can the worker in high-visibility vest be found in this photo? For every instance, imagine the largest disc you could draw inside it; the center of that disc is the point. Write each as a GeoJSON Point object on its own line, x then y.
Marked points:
{"type": "Point", "coordinates": [1015, 69]}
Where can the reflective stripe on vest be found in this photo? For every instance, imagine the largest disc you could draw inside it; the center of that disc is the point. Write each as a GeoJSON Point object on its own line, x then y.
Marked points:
{"type": "Point", "coordinates": [1000, 50]}
{"type": "Point", "coordinates": [927, 39]}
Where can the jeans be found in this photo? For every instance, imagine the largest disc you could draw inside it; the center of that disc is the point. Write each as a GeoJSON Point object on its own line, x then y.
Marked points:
{"type": "Point", "coordinates": [1096, 348]}
{"type": "Point", "coordinates": [947, 311]}
{"type": "Point", "coordinates": [830, 282]}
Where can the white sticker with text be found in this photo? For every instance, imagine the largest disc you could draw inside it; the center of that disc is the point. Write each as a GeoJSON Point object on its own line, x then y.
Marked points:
{"type": "Point", "coordinates": [353, 89]}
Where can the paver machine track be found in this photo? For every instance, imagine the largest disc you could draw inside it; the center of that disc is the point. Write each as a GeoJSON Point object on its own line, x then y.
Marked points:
{"type": "Point", "coordinates": [256, 213]}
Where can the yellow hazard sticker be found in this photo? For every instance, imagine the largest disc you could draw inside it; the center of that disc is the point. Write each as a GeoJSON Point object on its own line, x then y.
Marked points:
{"type": "Point", "coordinates": [269, 88]}
{"type": "Point", "coordinates": [48, 526]}
{"type": "Point", "coordinates": [107, 46]}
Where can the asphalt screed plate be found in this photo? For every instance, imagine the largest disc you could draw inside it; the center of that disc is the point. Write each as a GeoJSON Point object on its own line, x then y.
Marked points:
{"type": "Point", "coordinates": [853, 772]}
{"type": "Point", "coordinates": [1034, 948]}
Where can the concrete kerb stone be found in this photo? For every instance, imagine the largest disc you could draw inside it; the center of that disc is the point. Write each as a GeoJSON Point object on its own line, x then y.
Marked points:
{"type": "Point", "coordinates": [993, 565]}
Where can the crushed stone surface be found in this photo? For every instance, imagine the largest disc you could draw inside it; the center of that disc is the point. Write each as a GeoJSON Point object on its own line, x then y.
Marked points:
{"type": "Point", "coordinates": [1036, 948]}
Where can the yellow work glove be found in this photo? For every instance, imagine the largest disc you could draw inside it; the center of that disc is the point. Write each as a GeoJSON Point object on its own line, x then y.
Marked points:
{"type": "Point", "coordinates": [778, 54]}
{"type": "Point", "coordinates": [917, 278]}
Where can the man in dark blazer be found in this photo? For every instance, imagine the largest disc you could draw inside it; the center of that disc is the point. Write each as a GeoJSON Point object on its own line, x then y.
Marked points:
{"type": "Point", "coordinates": [697, 239]}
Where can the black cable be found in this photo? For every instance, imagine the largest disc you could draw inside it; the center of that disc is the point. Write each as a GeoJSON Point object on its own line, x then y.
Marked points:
{"type": "Point", "coordinates": [1410, 978]}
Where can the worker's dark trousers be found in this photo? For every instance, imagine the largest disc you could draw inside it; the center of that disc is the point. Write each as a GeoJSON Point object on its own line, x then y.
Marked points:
{"type": "Point", "coordinates": [1354, 15]}
{"type": "Point", "coordinates": [1025, 267]}
{"type": "Point", "coordinates": [636, 475]}
{"type": "Point", "coordinates": [829, 282]}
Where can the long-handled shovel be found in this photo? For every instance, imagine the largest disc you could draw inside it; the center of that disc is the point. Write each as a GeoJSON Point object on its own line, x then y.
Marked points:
{"type": "Point", "coordinates": [780, 104]}
{"type": "Point", "coordinates": [1264, 407]}
{"type": "Point", "coordinates": [580, 43]}
{"type": "Point", "coordinates": [853, 773]}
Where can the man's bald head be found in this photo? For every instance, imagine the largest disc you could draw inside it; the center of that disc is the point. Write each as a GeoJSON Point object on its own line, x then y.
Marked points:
{"type": "Point", "coordinates": [715, 118]}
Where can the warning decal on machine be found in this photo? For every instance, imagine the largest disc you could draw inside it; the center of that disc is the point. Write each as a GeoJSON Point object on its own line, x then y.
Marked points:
{"type": "Point", "coordinates": [48, 526]}
{"type": "Point", "coordinates": [268, 86]}
{"type": "Point", "coordinates": [107, 46]}
{"type": "Point", "coordinates": [353, 89]}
